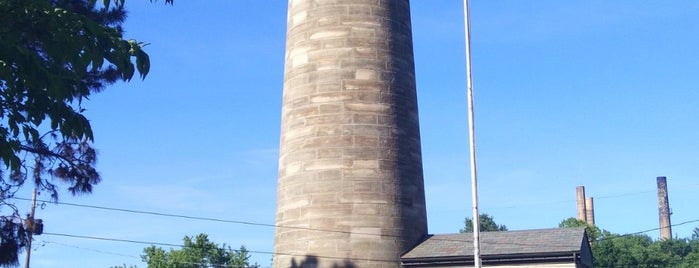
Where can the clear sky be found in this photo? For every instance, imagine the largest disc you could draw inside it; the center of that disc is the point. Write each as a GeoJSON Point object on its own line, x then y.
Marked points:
{"type": "Point", "coordinates": [597, 93]}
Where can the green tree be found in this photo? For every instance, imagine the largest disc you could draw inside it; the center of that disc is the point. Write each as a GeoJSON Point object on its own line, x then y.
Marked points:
{"type": "Point", "coordinates": [637, 250]}
{"type": "Point", "coordinates": [670, 252]}
{"type": "Point", "coordinates": [593, 233]}
{"type": "Point", "coordinates": [197, 252]}
{"type": "Point", "coordinates": [53, 55]}
{"type": "Point", "coordinates": [487, 224]}
{"type": "Point", "coordinates": [692, 258]}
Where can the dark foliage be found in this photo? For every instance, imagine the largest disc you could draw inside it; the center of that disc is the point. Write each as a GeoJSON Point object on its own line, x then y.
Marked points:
{"type": "Point", "coordinates": [637, 250]}
{"type": "Point", "coordinates": [53, 55]}
{"type": "Point", "coordinates": [487, 224]}
{"type": "Point", "coordinates": [13, 230]}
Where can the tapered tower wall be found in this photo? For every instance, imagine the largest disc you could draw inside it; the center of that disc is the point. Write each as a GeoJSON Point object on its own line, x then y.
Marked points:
{"type": "Point", "coordinates": [590, 211]}
{"type": "Point", "coordinates": [350, 188]}
{"type": "Point", "coordinates": [580, 203]}
{"type": "Point", "coordinates": [664, 209]}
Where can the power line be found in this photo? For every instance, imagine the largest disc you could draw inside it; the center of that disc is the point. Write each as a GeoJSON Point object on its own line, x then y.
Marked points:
{"type": "Point", "coordinates": [624, 194]}
{"type": "Point", "coordinates": [281, 253]}
{"type": "Point", "coordinates": [274, 225]}
{"type": "Point", "coordinates": [174, 245]}
{"type": "Point", "coordinates": [337, 258]}
{"type": "Point", "coordinates": [645, 231]}
{"type": "Point", "coordinates": [134, 257]}
{"type": "Point", "coordinates": [609, 196]}
{"type": "Point", "coordinates": [90, 249]}
{"type": "Point", "coordinates": [154, 213]}
{"type": "Point", "coordinates": [274, 253]}
{"type": "Point", "coordinates": [114, 239]}
{"type": "Point", "coordinates": [281, 226]}
{"type": "Point", "coordinates": [245, 223]}
{"type": "Point", "coordinates": [209, 219]}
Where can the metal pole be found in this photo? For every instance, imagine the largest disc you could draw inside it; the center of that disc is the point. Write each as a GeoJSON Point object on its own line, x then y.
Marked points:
{"type": "Point", "coordinates": [472, 141]}
{"type": "Point", "coordinates": [30, 220]}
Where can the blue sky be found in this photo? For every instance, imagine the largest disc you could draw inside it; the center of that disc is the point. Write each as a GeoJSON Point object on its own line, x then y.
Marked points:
{"type": "Point", "coordinates": [596, 93]}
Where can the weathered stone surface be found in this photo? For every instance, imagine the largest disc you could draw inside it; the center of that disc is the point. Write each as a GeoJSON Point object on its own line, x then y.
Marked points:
{"type": "Point", "coordinates": [350, 173]}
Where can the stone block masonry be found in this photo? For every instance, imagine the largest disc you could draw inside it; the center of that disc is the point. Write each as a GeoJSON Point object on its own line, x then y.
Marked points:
{"type": "Point", "coordinates": [350, 189]}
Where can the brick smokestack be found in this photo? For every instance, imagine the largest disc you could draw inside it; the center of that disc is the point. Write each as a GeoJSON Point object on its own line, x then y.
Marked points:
{"type": "Point", "coordinates": [664, 209]}
{"type": "Point", "coordinates": [580, 200]}
{"type": "Point", "coordinates": [590, 211]}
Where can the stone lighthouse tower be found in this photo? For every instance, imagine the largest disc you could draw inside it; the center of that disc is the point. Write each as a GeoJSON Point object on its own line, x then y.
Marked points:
{"type": "Point", "coordinates": [350, 190]}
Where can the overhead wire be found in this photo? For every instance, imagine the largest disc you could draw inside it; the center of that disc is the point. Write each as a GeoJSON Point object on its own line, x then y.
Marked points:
{"type": "Point", "coordinates": [624, 194]}
{"type": "Point", "coordinates": [275, 253]}
{"type": "Point", "coordinates": [252, 223]}
{"type": "Point", "coordinates": [648, 230]}
{"type": "Point", "coordinates": [180, 246]}
{"type": "Point", "coordinates": [198, 218]}
{"type": "Point", "coordinates": [274, 225]}
{"type": "Point", "coordinates": [241, 222]}
{"type": "Point", "coordinates": [287, 227]}
{"type": "Point", "coordinates": [89, 249]}
{"type": "Point", "coordinates": [134, 257]}
{"type": "Point", "coordinates": [340, 258]}
{"type": "Point", "coordinates": [151, 213]}
{"type": "Point", "coordinates": [292, 227]}
{"type": "Point", "coordinates": [616, 195]}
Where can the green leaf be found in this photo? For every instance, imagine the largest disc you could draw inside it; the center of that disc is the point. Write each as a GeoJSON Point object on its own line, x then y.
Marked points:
{"type": "Point", "coordinates": [142, 63]}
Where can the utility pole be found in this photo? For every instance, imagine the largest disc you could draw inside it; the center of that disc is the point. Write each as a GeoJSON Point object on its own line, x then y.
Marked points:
{"type": "Point", "coordinates": [30, 227]}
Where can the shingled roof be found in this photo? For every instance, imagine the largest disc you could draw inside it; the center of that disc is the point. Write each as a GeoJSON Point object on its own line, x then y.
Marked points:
{"type": "Point", "coordinates": [533, 244]}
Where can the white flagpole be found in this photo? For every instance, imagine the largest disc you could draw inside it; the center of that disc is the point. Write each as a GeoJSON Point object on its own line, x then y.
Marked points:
{"type": "Point", "coordinates": [472, 141]}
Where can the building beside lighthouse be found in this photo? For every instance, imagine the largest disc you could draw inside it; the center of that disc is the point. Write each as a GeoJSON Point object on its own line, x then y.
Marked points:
{"type": "Point", "coordinates": [541, 248]}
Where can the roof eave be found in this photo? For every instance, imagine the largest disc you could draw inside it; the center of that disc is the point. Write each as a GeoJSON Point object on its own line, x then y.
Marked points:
{"type": "Point", "coordinates": [494, 259]}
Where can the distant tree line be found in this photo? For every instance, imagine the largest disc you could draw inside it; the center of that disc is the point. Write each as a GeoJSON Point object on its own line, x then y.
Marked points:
{"type": "Point", "coordinates": [612, 250]}
{"type": "Point", "coordinates": [638, 250]}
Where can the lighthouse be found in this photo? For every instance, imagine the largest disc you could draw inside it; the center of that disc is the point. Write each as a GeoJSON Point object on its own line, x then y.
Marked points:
{"type": "Point", "coordinates": [350, 187]}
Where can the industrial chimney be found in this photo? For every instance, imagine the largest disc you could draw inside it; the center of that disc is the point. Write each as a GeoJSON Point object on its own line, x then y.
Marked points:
{"type": "Point", "coordinates": [580, 199]}
{"type": "Point", "coordinates": [590, 211]}
{"type": "Point", "coordinates": [664, 209]}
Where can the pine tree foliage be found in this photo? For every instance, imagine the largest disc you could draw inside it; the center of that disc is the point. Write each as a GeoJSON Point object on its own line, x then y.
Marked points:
{"type": "Point", "coordinates": [487, 224]}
